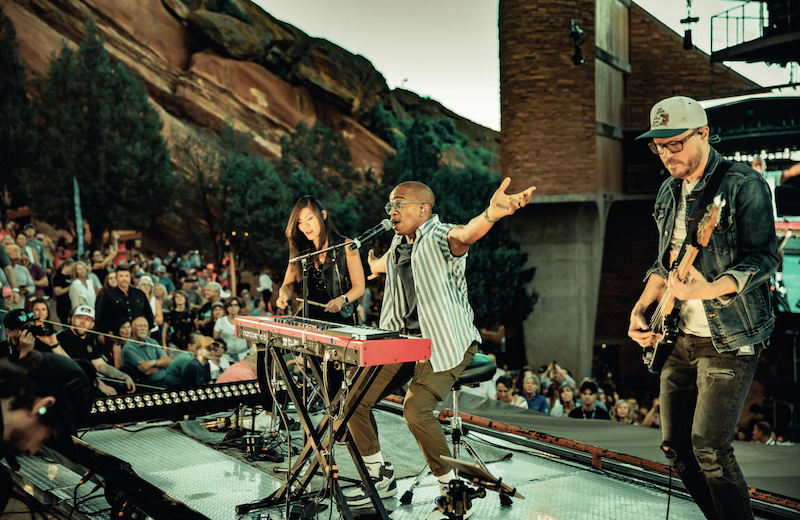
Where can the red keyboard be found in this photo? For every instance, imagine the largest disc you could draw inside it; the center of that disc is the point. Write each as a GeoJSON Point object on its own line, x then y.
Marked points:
{"type": "Point", "coordinates": [353, 345]}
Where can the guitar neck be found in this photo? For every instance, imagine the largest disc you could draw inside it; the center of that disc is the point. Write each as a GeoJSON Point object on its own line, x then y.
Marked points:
{"type": "Point", "coordinates": [667, 302]}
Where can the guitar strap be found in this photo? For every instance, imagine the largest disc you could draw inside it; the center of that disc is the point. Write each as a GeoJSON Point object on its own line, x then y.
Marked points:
{"type": "Point", "coordinates": [709, 192]}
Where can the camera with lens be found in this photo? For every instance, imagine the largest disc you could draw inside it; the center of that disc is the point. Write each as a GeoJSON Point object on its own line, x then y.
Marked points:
{"type": "Point", "coordinates": [39, 330]}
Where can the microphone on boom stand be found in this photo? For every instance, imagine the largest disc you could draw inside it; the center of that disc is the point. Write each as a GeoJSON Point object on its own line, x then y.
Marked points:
{"type": "Point", "coordinates": [368, 235]}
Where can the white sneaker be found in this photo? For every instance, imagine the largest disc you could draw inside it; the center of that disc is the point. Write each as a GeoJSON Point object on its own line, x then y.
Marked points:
{"type": "Point", "coordinates": [440, 512]}
{"type": "Point", "coordinates": [384, 485]}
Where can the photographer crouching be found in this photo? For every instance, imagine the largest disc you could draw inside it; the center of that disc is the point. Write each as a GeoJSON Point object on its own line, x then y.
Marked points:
{"type": "Point", "coordinates": [25, 335]}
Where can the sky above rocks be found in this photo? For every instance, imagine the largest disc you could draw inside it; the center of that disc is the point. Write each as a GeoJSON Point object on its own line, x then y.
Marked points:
{"type": "Point", "coordinates": [448, 49]}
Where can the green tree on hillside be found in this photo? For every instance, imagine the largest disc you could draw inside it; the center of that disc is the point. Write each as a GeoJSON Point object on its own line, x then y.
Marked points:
{"type": "Point", "coordinates": [97, 125]}
{"type": "Point", "coordinates": [316, 161]}
{"type": "Point", "coordinates": [16, 121]}
{"type": "Point", "coordinates": [232, 198]}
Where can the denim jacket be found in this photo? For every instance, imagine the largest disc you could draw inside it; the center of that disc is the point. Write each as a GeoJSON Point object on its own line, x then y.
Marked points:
{"type": "Point", "coordinates": [742, 246]}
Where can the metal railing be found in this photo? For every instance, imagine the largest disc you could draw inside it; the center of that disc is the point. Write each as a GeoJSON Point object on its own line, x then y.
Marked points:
{"type": "Point", "coordinates": [739, 25]}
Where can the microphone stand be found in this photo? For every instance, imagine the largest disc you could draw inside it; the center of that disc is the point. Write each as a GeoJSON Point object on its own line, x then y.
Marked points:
{"type": "Point", "coordinates": [306, 265]}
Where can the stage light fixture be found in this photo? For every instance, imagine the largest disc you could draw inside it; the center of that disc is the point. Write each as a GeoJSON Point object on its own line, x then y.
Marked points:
{"type": "Point", "coordinates": [577, 36]}
{"type": "Point", "coordinates": [688, 21]}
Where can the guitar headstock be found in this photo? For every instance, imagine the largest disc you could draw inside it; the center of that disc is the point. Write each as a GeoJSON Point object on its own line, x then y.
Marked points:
{"type": "Point", "coordinates": [710, 220]}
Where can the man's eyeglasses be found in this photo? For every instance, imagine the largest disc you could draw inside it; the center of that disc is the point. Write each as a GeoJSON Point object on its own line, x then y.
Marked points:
{"type": "Point", "coordinates": [398, 204]}
{"type": "Point", "coordinates": [673, 147]}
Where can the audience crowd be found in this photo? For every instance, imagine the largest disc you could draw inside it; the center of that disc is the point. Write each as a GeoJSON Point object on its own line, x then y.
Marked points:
{"type": "Point", "coordinates": [149, 322]}
{"type": "Point", "coordinates": [143, 321]}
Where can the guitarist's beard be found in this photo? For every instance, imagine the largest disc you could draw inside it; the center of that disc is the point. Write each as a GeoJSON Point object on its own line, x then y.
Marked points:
{"type": "Point", "coordinates": [682, 169]}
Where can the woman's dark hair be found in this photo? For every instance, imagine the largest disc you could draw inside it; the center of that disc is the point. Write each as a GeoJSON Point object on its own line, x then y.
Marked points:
{"type": "Point", "coordinates": [298, 243]}
{"type": "Point", "coordinates": [506, 380]}
{"type": "Point", "coordinates": [182, 293]}
{"type": "Point", "coordinates": [232, 299]}
{"type": "Point", "coordinates": [119, 323]}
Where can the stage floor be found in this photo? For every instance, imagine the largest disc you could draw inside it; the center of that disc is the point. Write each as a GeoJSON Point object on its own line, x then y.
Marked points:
{"type": "Point", "coordinates": [213, 482]}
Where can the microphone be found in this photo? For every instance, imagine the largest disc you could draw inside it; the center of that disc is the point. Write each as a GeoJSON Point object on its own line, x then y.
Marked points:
{"type": "Point", "coordinates": [368, 235]}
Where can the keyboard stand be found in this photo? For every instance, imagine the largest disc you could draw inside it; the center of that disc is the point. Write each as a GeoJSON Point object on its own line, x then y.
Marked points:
{"type": "Point", "coordinates": [320, 439]}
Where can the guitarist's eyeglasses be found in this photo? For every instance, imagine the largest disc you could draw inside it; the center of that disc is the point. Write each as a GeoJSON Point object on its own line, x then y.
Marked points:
{"type": "Point", "coordinates": [673, 147]}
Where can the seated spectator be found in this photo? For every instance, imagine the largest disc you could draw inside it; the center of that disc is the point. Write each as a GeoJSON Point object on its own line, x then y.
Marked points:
{"type": "Point", "coordinates": [39, 275]}
{"type": "Point", "coordinates": [622, 412]}
{"type": "Point", "coordinates": [147, 287]}
{"type": "Point", "coordinates": [79, 344]}
{"type": "Point", "coordinates": [762, 434]}
{"type": "Point", "coordinates": [164, 279]}
{"type": "Point", "coordinates": [535, 400]}
{"type": "Point", "coordinates": [589, 408]}
{"type": "Point", "coordinates": [519, 379]}
{"type": "Point", "coordinates": [191, 369]}
{"type": "Point", "coordinates": [144, 357]}
{"type": "Point", "coordinates": [189, 286]}
{"type": "Point", "coordinates": [40, 258]}
{"type": "Point", "coordinates": [259, 309]}
{"type": "Point", "coordinates": [24, 278]}
{"type": "Point", "coordinates": [123, 332]}
{"type": "Point", "coordinates": [82, 289]}
{"type": "Point", "coordinates": [505, 393]}
{"type": "Point", "coordinates": [225, 328]}
{"type": "Point", "coordinates": [217, 310]}
{"type": "Point", "coordinates": [24, 248]}
{"type": "Point", "coordinates": [566, 401]}
{"type": "Point", "coordinates": [244, 370]}
{"type": "Point", "coordinates": [179, 322]}
{"type": "Point", "coordinates": [247, 303]}
{"type": "Point", "coordinates": [162, 298]}
{"type": "Point", "coordinates": [205, 316]}
{"type": "Point", "coordinates": [219, 362]}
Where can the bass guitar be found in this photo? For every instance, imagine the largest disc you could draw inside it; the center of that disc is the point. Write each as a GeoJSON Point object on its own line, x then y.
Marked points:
{"type": "Point", "coordinates": [664, 320]}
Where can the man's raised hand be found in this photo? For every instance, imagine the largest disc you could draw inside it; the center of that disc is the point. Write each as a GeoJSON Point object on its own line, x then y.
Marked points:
{"type": "Point", "coordinates": [503, 204]}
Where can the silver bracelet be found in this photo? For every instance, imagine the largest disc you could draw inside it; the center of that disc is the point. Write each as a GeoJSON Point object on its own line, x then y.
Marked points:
{"type": "Point", "coordinates": [486, 216]}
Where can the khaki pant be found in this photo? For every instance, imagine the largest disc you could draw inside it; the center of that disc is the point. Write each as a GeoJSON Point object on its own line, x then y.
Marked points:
{"type": "Point", "coordinates": [426, 390]}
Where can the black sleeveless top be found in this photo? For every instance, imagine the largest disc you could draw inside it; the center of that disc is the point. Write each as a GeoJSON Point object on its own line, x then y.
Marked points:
{"type": "Point", "coordinates": [328, 282]}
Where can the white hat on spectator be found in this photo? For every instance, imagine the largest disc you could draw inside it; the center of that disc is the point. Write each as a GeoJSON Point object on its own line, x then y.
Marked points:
{"type": "Point", "coordinates": [84, 310]}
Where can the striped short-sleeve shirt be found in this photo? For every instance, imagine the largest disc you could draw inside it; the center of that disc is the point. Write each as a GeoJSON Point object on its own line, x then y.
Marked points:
{"type": "Point", "coordinates": [445, 315]}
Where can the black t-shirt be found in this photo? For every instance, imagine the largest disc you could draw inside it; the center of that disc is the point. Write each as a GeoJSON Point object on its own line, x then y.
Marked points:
{"type": "Point", "coordinates": [195, 374]}
{"type": "Point", "coordinates": [78, 347]}
{"type": "Point", "coordinates": [182, 323]}
{"type": "Point", "coordinates": [597, 413]}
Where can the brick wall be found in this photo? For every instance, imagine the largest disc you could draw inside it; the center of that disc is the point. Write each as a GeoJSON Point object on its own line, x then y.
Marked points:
{"type": "Point", "coordinates": [660, 68]}
{"type": "Point", "coordinates": [547, 110]}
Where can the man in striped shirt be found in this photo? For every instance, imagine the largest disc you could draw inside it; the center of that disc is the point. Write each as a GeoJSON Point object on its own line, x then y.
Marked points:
{"type": "Point", "coordinates": [425, 295]}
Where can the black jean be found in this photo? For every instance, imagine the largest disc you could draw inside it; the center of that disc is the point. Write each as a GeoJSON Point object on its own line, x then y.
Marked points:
{"type": "Point", "coordinates": [702, 396]}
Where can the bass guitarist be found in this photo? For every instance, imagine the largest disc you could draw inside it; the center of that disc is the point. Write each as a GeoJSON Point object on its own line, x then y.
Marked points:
{"type": "Point", "coordinates": [724, 314]}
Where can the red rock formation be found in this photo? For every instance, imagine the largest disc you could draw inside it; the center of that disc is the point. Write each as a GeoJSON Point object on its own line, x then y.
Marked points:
{"type": "Point", "coordinates": [206, 68]}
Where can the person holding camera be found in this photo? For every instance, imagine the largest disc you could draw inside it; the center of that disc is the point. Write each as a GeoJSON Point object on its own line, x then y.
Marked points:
{"type": "Point", "coordinates": [25, 335]}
